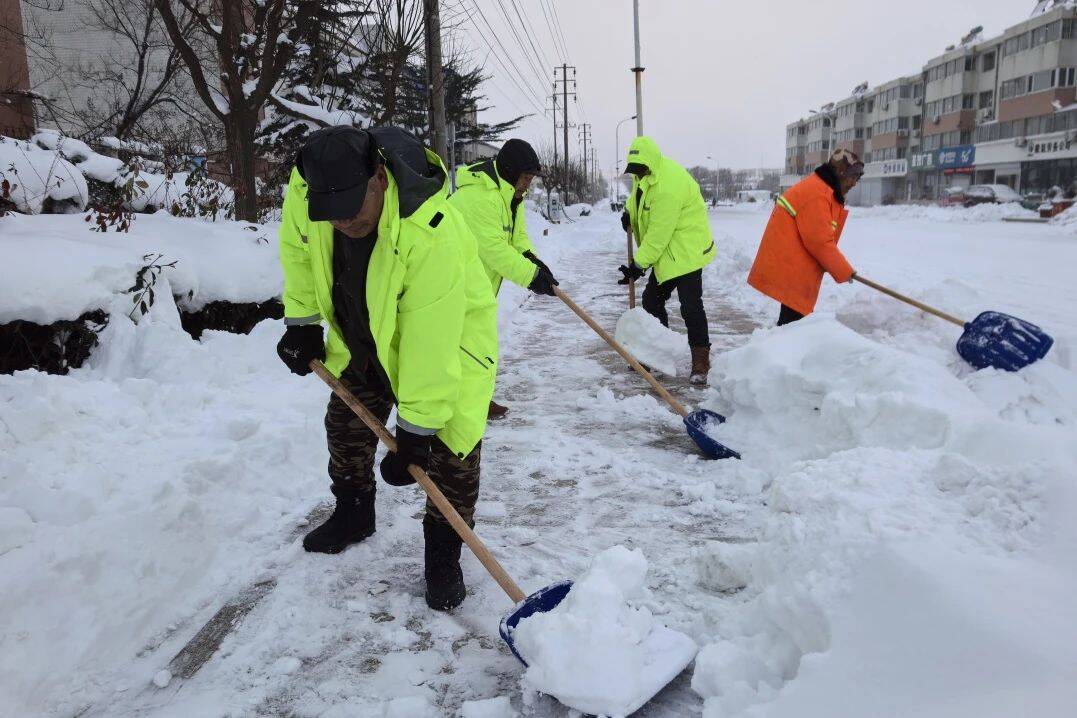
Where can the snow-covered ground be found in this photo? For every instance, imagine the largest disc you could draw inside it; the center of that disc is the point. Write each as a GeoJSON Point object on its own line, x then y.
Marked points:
{"type": "Point", "coordinates": [897, 541]}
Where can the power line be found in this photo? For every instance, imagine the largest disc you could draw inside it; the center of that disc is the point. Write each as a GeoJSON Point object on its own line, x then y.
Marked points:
{"type": "Point", "coordinates": [529, 30]}
{"type": "Point", "coordinates": [557, 23]}
{"type": "Point", "coordinates": [506, 62]}
{"type": "Point", "coordinates": [560, 46]}
{"type": "Point", "coordinates": [516, 34]}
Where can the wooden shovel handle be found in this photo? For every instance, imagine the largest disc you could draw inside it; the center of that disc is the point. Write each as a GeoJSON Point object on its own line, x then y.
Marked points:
{"type": "Point", "coordinates": [455, 520]}
{"type": "Point", "coordinates": [677, 406]}
{"type": "Point", "coordinates": [908, 300]}
{"type": "Point", "coordinates": [631, 282]}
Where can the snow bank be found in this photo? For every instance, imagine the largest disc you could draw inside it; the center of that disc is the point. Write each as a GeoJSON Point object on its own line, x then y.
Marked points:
{"type": "Point", "coordinates": [128, 516]}
{"type": "Point", "coordinates": [979, 213]}
{"type": "Point", "coordinates": [596, 651]}
{"type": "Point", "coordinates": [55, 268]}
{"type": "Point", "coordinates": [646, 339]}
{"type": "Point", "coordinates": [908, 519]}
{"type": "Point", "coordinates": [37, 175]}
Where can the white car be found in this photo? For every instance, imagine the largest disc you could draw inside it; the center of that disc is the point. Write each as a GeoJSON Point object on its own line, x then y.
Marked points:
{"type": "Point", "coordinates": [990, 194]}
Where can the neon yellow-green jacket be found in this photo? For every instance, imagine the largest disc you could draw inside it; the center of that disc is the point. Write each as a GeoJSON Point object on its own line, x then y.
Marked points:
{"type": "Point", "coordinates": [485, 200]}
{"type": "Point", "coordinates": [432, 313]}
{"type": "Point", "coordinates": [670, 225]}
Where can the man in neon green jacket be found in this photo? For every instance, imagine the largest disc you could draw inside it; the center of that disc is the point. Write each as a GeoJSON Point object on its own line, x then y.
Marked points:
{"type": "Point", "coordinates": [668, 217]}
{"type": "Point", "coordinates": [490, 197]}
{"type": "Point", "coordinates": [371, 249]}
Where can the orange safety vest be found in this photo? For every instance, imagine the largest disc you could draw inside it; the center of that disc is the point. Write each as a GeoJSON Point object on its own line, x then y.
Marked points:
{"type": "Point", "coordinates": [799, 244]}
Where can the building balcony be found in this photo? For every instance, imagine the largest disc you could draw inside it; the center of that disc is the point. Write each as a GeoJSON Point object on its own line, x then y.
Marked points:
{"type": "Point", "coordinates": [1035, 104]}
{"type": "Point", "coordinates": [963, 120]}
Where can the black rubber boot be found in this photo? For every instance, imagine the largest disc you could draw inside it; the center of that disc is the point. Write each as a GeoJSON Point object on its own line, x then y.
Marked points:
{"type": "Point", "coordinates": [351, 522]}
{"type": "Point", "coordinates": [444, 579]}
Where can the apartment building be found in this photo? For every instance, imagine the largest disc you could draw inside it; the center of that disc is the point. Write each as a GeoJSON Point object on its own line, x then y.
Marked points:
{"type": "Point", "coordinates": [796, 135]}
{"type": "Point", "coordinates": [998, 110]}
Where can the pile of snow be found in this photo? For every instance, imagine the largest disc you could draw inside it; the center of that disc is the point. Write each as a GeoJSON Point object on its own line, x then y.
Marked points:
{"type": "Point", "coordinates": [907, 550]}
{"type": "Point", "coordinates": [645, 338]}
{"type": "Point", "coordinates": [598, 651]}
{"type": "Point", "coordinates": [56, 268]}
{"type": "Point", "coordinates": [136, 492]}
{"type": "Point", "coordinates": [36, 175]}
{"type": "Point", "coordinates": [1067, 219]}
{"type": "Point", "coordinates": [985, 212]}
{"type": "Point", "coordinates": [579, 210]}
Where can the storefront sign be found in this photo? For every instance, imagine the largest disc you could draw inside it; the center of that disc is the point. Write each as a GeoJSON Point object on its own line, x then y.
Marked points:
{"type": "Point", "coordinates": [887, 168]}
{"type": "Point", "coordinates": [956, 157]}
{"type": "Point", "coordinates": [923, 161]}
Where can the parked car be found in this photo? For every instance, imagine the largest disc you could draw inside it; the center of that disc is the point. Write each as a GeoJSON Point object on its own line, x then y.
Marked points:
{"type": "Point", "coordinates": [990, 194]}
{"type": "Point", "coordinates": [952, 196]}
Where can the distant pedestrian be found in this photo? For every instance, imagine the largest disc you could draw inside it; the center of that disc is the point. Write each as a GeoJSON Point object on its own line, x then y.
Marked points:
{"type": "Point", "coordinates": [668, 218]}
{"type": "Point", "coordinates": [801, 240]}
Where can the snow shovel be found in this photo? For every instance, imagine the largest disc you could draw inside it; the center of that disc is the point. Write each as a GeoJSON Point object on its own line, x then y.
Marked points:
{"type": "Point", "coordinates": [698, 423]}
{"type": "Point", "coordinates": [539, 602]}
{"type": "Point", "coordinates": [992, 339]}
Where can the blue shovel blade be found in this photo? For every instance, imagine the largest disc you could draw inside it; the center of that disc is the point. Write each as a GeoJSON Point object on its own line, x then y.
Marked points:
{"type": "Point", "coordinates": [540, 601]}
{"type": "Point", "coordinates": [699, 423]}
{"type": "Point", "coordinates": [998, 340]}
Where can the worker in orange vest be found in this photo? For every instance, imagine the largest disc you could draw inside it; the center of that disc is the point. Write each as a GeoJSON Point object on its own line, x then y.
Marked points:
{"type": "Point", "coordinates": [801, 239]}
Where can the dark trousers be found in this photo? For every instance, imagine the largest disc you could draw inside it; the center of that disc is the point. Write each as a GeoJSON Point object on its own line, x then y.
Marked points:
{"type": "Point", "coordinates": [788, 315]}
{"type": "Point", "coordinates": [690, 293]}
{"type": "Point", "coordinates": [352, 446]}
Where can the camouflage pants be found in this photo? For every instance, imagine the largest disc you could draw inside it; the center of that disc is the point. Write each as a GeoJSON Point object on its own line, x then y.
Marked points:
{"type": "Point", "coordinates": [352, 446]}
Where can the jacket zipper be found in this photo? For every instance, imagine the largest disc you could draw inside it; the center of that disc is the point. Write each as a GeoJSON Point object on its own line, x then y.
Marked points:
{"type": "Point", "coordinates": [477, 360]}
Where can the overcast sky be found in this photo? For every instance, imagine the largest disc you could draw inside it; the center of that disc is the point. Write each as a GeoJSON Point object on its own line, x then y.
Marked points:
{"type": "Point", "coordinates": [723, 78]}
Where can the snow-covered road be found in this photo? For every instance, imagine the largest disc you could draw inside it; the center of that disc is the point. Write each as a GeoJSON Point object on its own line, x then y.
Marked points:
{"type": "Point", "coordinates": [140, 494]}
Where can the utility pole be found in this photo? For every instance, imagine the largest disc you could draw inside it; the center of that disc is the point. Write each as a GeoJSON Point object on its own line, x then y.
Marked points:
{"type": "Point", "coordinates": [585, 131]}
{"type": "Point", "coordinates": [452, 156]}
{"type": "Point", "coordinates": [435, 78]}
{"type": "Point", "coordinates": [564, 80]}
{"type": "Point", "coordinates": [547, 180]}
{"type": "Point", "coordinates": [638, 71]}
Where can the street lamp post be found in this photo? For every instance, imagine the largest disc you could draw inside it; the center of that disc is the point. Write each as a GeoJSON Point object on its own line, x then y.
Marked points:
{"type": "Point", "coordinates": [715, 179]}
{"type": "Point", "coordinates": [617, 152]}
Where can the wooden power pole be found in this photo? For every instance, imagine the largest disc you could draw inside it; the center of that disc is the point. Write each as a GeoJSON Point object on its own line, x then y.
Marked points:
{"type": "Point", "coordinates": [435, 78]}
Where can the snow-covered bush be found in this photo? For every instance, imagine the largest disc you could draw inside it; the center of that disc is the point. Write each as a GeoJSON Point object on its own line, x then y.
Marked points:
{"type": "Point", "coordinates": [39, 180]}
{"type": "Point", "coordinates": [113, 186]}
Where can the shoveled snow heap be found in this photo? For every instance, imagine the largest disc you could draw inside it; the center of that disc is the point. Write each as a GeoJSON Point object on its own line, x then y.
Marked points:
{"type": "Point", "coordinates": [598, 651]}
{"type": "Point", "coordinates": [646, 339]}
{"type": "Point", "coordinates": [909, 564]}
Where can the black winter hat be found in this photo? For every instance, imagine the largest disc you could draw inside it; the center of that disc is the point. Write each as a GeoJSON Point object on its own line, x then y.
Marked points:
{"type": "Point", "coordinates": [337, 163]}
{"type": "Point", "coordinates": [515, 158]}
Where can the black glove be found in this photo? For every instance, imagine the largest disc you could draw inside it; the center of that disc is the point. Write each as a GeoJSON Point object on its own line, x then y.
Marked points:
{"type": "Point", "coordinates": [632, 273]}
{"type": "Point", "coordinates": [543, 283]}
{"type": "Point", "coordinates": [538, 262]}
{"type": "Point", "coordinates": [410, 449]}
{"type": "Point", "coordinates": [300, 345]}
{"type": "Point", "coordinates": [626, 221]}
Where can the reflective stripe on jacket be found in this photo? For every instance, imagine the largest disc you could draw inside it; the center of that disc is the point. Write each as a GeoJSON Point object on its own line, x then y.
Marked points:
{"type": "Point", "coordinates": [485, 201]}
{"type": "Point", "coordinates": [670, 220]}
{"type": "Point", "coordinates": [432, 313]}
{"type": "Point", "coordinates": [799, 244]}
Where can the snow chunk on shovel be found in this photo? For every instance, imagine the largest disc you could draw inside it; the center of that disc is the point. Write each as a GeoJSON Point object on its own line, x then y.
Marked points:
{"type": "Point", "coordinates": [598, 650]}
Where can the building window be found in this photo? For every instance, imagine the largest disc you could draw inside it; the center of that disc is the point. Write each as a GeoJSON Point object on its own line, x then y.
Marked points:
{"type": "Point", "coordinates": [988, 62]}
{"type": "Point", "coordinates": [1067, 29]}
{"type": "Point", "coordinates": [968, 102]}
{"type": "Point", "coordinates": [1054, 31]}
{"type": "Point", "coordinates": [987, 99]}
{"type": "Point", "coordinates": [1041, 81]}
{"type": "Point", "coordinates": [916, 122]}
{"type": "Point", "coordinates": [1024, 41]}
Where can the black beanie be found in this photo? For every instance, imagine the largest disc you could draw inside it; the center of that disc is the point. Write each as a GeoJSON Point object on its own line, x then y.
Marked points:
{"type": "Point", "coordinates": [515, 158]}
